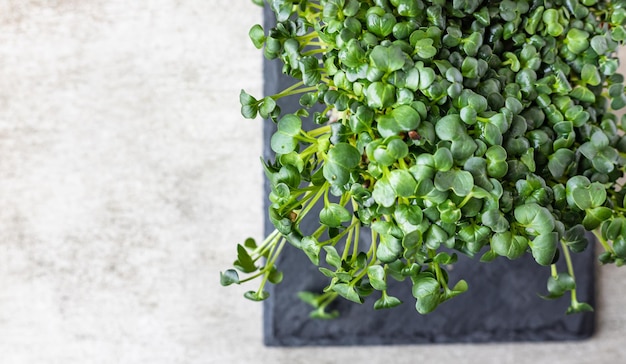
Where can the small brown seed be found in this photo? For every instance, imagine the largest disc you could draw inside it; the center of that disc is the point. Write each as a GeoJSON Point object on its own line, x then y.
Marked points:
{"type": "Point", "coordinates": [414, 135]}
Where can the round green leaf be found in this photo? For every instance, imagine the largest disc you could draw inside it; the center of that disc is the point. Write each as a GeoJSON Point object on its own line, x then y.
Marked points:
{"type": "Point", "coordinates": [406, 117]}
{"type": "Point", "coordinates": [376, 275]}
{"type": "Point", "coordinates": [257, 36]}
{"type": "Point", "coordinates": [559, 284]}
{"type": "Point", "coordinates": [535, 218]}
{"type": "Point", "coordinates": [577, 40]}
{"type": "Point", "coordinates": [383, 193]}
{"type": "Point", "coordinates": [460, 182]}
{"type": "Point", "coordinates": [386, 302]}
{"type": "Point", "coordinates": [256, 296]}
{"type": "Point", "coordinates": [389, 249]}
{"type": "Point", "coordinates": [229, 277]}
{"type": "Point", "coordinates": [348, 292]}
{"type": "Point", "coordinates": [495, 220]}
{"type": "Point", "coordinates": [426, 290]}
{"type": "Point", "coordinates": [508, 245]}
{"type": "Point", "coordinates": [380, 95]}
{"type": "Point", "coordinates": [311, 248]}
{"type": "Point", "coordinates": [284, 139]}
{"type": "Point", "coordinates": [402, 182]}
{"type": "Point", "coordinates": [543, 247]}
{"type": "Point", "coordinates": [387, 59]}
{"type": "Point", "coordinates": [340, 161]}
{"type": "Point", "coordinates": [334, 214]}
{"type": "Point", "coordinates": [450, 127]}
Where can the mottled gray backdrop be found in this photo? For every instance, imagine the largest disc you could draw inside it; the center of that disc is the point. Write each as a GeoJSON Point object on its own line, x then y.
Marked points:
{"type": "Point", "coordinates": [126, 178]}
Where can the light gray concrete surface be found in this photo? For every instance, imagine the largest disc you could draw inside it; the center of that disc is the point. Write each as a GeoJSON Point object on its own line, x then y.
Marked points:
{"type": "Point", "coordinates": [127, 177]}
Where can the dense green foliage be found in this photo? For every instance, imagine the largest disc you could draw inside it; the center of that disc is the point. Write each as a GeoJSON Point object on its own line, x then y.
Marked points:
{"type": "Point", "coordinates": [479, 127]}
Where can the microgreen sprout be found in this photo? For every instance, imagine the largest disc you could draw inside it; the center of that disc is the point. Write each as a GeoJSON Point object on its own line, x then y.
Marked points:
{"type": "Point", "coordinates": [483, 128]}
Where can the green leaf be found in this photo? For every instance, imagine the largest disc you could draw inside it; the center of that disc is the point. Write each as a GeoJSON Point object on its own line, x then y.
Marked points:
{"type": "Point", "coordinates": [472, 43]}
{"type": "Point", "coordinates": [332, 257]}
{"type": "Point", "coordinates": [389, 249]}
{"type": "Point", "coordinates": [489, 256]}
{"type": "Point", "coordinates": [582, 198]}
{"type": "Point", "coordinates": [244, 262]}
{"type": "Point", "coordinates": [334, 214]}
{"type": "Point", "coordinates": [491, 133]}
{"type": "Point", "coordinates": [443, 159]}
{"type": "Point", "coordinates": [380, 95]}
{"type": "Point", "coordinates": [282, 8]}
{"type": "Point", "coordinates": [406, 117]}
{"type": "Point", "coordinates": [551, 20]}
{"type": "Point", "coordinates": [387, 59]}
{"type": "Point", "coordinates": [266, 107]}
{"type": "Point", "coordinates": [292, 159]}
{"type": "Point", "coordinates": [559, 284]}
{"type": "Point", "coordinates": [353, 54]}
{"type": "Point", "coordinates": [590, 75]}
{"type": "Point", "coordinates": [444, 258]}
{"type": "Point", "coordinates": [460, 182]}
{"type": "Point", "coordinates": [469, 67]}
{"type": "Point", "coordinates": [386, 301]}
{"type": "Point", "coordinates": [579, 307]}
{"type": "Point", "coordinates": [402, 118]}
{"type": "Point", "coordinates": [463, 148]}
{"type": "Point", "coordinates": [495, 220]}
{"type": "Point", "coordinates": [426, 290]}
{"type": "Point", "coordinates": [407, 8]}
{"type": "Point", "coordinates": [284, 139]}
{"type": "Point", "coordinates": [460, 287]}
{"type": "Point", "coordinates": [424, 48]}
{"type": "Point", "coordinates": [535, 218]}
{"type": "Point", "coordinates": [347, 291]}
{"type": "Point", "coordinates": [361, 121]}
{"type": "Point", "coordinates": [376, 275]}
{"type": "Point", "coordinates": [309, 66]}
{"type": "Point", "coordinates": [327, 272]}
{"type": "Point", "coordinates": [599, 44]}
{"type": "Point", "coordinates": [250, 243]}
{"type": "Point", "coordinates": [576, 239]}
{"type": "Point", "coordinates": [256, 296]}
{"type": "Point", "coordinates": [512, 61]}
{"type": "Point", "coordinates": [450, 127]}
{"type": "Point", "coordinates": [474, 234]}
{"type": "Point", "coordinates": [559, 162]}
{"type": "Point", "coordinates": [427, 76]}
{"type": "Point", "coordinates": [249, 105]}
{"type": "Point", "coordinates": [411, 243]}
{"type": "Point", "coordinates": [257, 36]}
{"type": "Point", "coordinates": [577, 40]}
{"type": "Point", "coordinates": [597, 193]}
{"type": "Point", "coordinates": [340, 161]}
{"type": "Point", "coordinates": [402, 182]}
{"type": "Point", "coordinates": [543, 248]}
{"type": "Point", "coordinates": [383, 193]}
{"type": "Point", "coordinates": [383, 25]}
{"type": "Point", "coordinates": [449, 212]}
{"type": "Point", "coordinates": [275, 276]}
{"type": "Point", "coordinates": [435, 236]}
{"type": "Point", "coordinates": [311, 248]}
{"type": "Point", "coordinates": [583, 94]}
{"type": "Point", "coordinates": [595, 216]}
{"type": "Point", "coordinates": [229, 277]}
{"type": "Point", "coordinates": [386, 155]}
{"type": "Point", "coordinates": [508, 245]}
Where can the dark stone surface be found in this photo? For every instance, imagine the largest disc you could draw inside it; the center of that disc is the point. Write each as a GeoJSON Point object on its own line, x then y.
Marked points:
{"type": "Point", "coordinates": [502, 303]}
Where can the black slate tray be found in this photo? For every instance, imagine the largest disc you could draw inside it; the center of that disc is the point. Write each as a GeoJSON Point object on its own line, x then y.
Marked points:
{"type": "Point", "coordinates": [502, 303]}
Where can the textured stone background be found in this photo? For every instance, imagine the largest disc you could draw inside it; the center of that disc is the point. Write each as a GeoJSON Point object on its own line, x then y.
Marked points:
{"type": "Point", "coordinates": [126, 178]}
